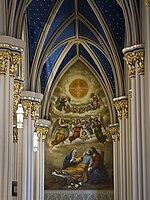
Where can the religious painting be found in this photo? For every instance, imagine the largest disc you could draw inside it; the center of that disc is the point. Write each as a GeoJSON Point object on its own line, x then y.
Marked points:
{"type": "Point", "coordinates": [78, 150]}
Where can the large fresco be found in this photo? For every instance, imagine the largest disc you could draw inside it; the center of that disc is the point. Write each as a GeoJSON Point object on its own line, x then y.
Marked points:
{"type": "Point", "coordinates": [78, 150]}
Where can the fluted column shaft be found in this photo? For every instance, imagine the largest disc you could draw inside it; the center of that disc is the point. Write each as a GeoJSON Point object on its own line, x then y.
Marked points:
{"type": "Point", "coordinates": [42, 131]}
{"type": "Point", "coordinates": [114, 131]}
{"type": "Point", "coordinates": [9, 60]}
{"type": "Point", "coordinates": [121, 104]}
{"type": "Point", "coordinates": [134, 57]}
{"type": "Point", "coordinates": [146, 138]}
{"type": "Point", "coordinates": [30, 102]}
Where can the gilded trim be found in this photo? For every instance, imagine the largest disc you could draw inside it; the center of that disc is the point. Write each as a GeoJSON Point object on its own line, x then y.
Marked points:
{"type": "Point", "coordinates": [114, 132]}
{"type": "Point", "coordinates": [147, 3]}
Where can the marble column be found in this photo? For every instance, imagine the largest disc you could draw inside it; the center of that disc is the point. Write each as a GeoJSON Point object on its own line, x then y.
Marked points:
{"type": "Point", "coordinates": [30, 102]}
{"type": "Point", "coordinates": [42, 131]}
{"type": "Point", "coordinates": [134, 57]}
{"type": "Point", "coordinates": [18, 86]}
{"type": "Point", "coordinates": [4, 57]}
{"type": "Point", "coordinates": [114, 131]}
{"type": "Point", "coordinates": [121, 104]}
{"type": "Point", "coordinates": [10, 56]}
{"type": "Point", "coordinates": [146, 109]}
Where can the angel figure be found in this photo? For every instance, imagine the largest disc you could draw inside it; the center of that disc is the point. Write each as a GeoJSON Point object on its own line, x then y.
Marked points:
{"type": "Point", "coordinates": [61, 131]}
{"type": "Point", "coordinates": [97, 127]}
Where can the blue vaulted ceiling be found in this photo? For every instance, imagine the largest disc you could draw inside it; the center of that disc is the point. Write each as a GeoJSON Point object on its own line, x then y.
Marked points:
{"type": "Point", "coordinates": [81, 23]}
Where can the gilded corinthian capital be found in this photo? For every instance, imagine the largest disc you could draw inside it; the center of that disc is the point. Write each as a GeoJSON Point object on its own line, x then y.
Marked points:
{"type": "Point", "coordinates": [42, 132]}
{"type": "Point", "coordinates": [26, 108]}
{"type": "Point", "coordinates": [114, 132]}
{"type": "Point", "coordinates": [35, 110]}
{"type": "Point", "coordinates": [124, 105]}
{"type": "Point", "coordinates": [4, 57]}
{"type": "Point", "coordinates": [15, 58]}
{"type": "Point", "coordinates": [131, 60]}
{"type": "Point", "coordinates": [140, 62]}
{"type": "Point", "coordinates": [147, 3]}
{"type": "Point", "coordinates": [18, 86]}
{"type": "Point", "coordinates": [117, 104]}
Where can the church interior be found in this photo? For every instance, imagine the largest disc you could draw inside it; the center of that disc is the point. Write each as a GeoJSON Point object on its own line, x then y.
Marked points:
{"type": "Point", "coordinates": [75, 99]}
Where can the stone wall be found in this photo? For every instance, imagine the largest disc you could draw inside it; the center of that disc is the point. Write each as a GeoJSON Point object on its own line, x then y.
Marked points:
{"type": "Point", "coordinates": [79, 195]}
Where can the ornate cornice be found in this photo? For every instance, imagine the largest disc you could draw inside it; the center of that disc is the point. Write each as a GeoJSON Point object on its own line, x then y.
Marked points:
{"type": "Point", "coordinates": [147, 3]}
{"type": "Point", "coordinates": [114, 131]}
{"type": "Point", "coordinates": [4, 57]}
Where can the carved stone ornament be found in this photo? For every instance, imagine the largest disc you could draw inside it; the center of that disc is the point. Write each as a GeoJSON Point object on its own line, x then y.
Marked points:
{"type": "Point", "coordinates": [124, 105]}
{"type": "Point", "coordinates": [26, 108]}
{"type": "Point", "coordinates": [15, 135]}
{"type": "Point", "coordinates": [34, 110]}
{"type": "Point", "coordinates": [117, 104]}
{"type": "Point", "coordinates": [140, 62]}
{"type": "Point", "coordinates": [147, 3]}
{"type": "Point", "coordinates": [15, 58]}
{"type": "Point", "coordinates": [42, 132]}
{"type": "Point", "coordinates": [18, 86]}
{"type": "Point", "coordinates": [114, 131]}
{"type": "Point", "coordinates": [131, 60]}
{"type": "Point", "coordinates": [4, 57]}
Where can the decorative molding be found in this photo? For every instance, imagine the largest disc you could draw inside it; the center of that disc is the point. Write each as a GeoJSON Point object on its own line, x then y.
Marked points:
{"type": "Point", "coordinates": [15, 59]}
{"type": "Point", "coordinates": [147, 3]}
{"type": "Point", "coordinates": [140, 62]}
{"type": "Point", "coordinates": [26, 108]}
{"type": "Point", "coordinates": [114, 132]}
{"type": "Point", "coordinates": [118, 107]}
{"type": "Point", "coordinates": [18, 86]}
{"type": "Point", "coordinates": [79, 194]}
{"type": "Point", "coordinates": [4, 57]}
{"type": "Point", "coordinates": [124, 105]}
{"type": "Point", "coordinates": [132, 55]}
{"type": "Point", "coordinates": [131, 60]}
{"type": "Point", "coordinates": [42, 132]}
{"type": "Point", "coordinates": [35, 110]}
{"type": "Point", "coordinates": [121, 105]}
{"type": "Point", "coordinates": [15, 134]}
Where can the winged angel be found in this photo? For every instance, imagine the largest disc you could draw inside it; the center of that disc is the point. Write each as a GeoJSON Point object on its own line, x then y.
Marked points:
{"type": "Point", "coordinates": [61, 130]}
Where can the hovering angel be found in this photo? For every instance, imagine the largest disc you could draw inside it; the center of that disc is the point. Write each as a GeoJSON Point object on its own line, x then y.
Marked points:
{"type": "Point", "coordinates": [61, 130]}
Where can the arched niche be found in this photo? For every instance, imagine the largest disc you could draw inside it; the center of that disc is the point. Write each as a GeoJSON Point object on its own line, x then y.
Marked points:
{"type": "Point", "coordinates": [80, 115]}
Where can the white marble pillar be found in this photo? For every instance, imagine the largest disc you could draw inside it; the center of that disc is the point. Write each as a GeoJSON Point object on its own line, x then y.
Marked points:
{"type": "Point", "coordinates": [143, 129]}
{"type": "Point", "coordinates": [139, 137]}
{"type": "Point", "coordinates": [30, 102]}
{"type": "Point", "coordinates": [114, 131]}
{"type": "Point", "coordinates": [42, 131]}
{"type": "Point", "coordinates": [121, 104]}
{"type": "Point", "coordinates": [3, 69]}
{"type": "Point", "coordinates": [146, 145]}
{"type": "Point", "coordinates": [14, 153]}
{"type": "Point", "coordinates": [19, 164]}
{"type": "Point", "coordinates": [18, 86]}
{"type": "Point", "coordinates": [134, 57]}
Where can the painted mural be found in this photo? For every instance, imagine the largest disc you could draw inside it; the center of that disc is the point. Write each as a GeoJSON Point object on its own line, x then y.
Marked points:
{"type": "Point", "coordinates": [78, 149]}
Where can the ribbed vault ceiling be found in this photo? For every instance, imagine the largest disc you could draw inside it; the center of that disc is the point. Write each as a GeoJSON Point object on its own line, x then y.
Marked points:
{"type": "Point", "coordinates": [61, 31]}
